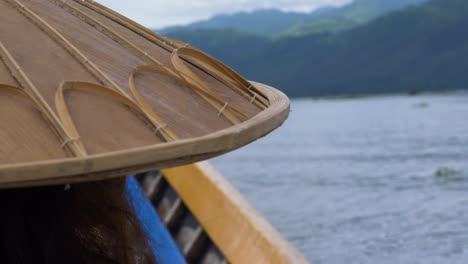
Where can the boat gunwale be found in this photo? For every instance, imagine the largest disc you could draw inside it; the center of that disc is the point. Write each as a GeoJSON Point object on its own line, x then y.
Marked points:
{"type": "Point", "coordinates": [125, 162]}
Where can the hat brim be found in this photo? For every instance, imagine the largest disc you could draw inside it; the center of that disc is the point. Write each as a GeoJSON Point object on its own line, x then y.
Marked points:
{"type": "Point", "coordinates": [159, 156]}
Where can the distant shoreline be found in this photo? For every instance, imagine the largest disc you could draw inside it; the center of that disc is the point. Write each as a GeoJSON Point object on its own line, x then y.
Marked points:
{"type": "Point", "coordinates": [374, 95]}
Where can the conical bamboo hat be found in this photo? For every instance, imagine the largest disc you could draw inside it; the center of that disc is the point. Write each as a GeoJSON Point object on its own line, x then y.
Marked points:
{"type": "Point", "coordinates": [87, 94]}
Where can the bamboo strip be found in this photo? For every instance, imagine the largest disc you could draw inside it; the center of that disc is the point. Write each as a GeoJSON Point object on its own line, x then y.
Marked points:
{"type": "Point", "coordinates": [23, 93]}
{"type": "Point", "coordinates": [168, 134]}
{"type": "Point", "coordinates": [60, 39]}
{"type": "Point", "coordinates": [207, 95]}
{"type": "Point", "coordinates": [108, 32]}
{"type": "Point", "coordinates": [67, 119]}
{"type": "Point", "coordinates": [28, 86]}
{"type": "Point", "coordinates": [130, 24]}
{"type": "Point", "coordinates": [216, 68]}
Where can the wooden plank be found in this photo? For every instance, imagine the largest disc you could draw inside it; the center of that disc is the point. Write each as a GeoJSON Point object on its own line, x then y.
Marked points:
{"type": "Point", "coordinates": [212, 255]}
{"type": "Point", "coordinates": [174, 215]}
{"type": "Point", "coordinates": [194, 247]}
{"type": "Point", "coordinates": [239, 231]}
{"type": "Point", "coordinates": [152, 183]}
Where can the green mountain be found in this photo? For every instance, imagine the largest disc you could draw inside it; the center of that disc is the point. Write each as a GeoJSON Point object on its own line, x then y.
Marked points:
{"type": "Point", "coordinates": [265, 22]}
{"type": "Point", "coordinates": [421, 48]}
{"type": "Point", "coordinates": [416, 49]}
{"type": "Point", "coordinates": [275, 22]}
{"type": "Point", "coordinates": [349, 16]}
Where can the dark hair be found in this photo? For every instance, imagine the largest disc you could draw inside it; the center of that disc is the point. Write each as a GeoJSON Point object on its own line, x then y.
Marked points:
{"type": "Point", "coordinates": [90, 223]}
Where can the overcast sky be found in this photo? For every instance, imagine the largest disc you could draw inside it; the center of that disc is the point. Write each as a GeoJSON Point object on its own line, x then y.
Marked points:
{"type": "Point", "coordinates": [162, 13]}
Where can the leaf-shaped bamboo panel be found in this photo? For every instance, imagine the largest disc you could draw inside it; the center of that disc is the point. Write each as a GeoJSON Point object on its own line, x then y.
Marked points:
{"type": "Point", "coordinates": [25, 134]}
{"type": "Point", "coordinates": [109, 122]}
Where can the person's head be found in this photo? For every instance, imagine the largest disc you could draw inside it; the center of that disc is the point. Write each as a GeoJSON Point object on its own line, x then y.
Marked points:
{"type": "Point", "coordinates": [89, 223]}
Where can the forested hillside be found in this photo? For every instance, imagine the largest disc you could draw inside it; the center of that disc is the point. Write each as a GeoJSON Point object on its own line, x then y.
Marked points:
{"type": "Point", "coordinates": [274, 23]}
{"type": "Point", "coordinates": [419, 48]}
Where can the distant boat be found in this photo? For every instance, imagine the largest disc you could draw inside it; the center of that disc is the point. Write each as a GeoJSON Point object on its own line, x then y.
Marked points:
{"type": "Point", "coordinates": [413, 92]}
{"type": "Point", "coordinates": [87, 94]}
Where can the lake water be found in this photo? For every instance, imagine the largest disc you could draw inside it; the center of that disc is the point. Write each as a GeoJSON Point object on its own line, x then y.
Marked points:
{"type": "Point", "coordinates": [372, 180]}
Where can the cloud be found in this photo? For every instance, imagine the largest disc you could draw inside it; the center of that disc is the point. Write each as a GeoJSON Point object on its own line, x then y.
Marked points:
{"type": "Point", "coordinates": [162, 13]}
